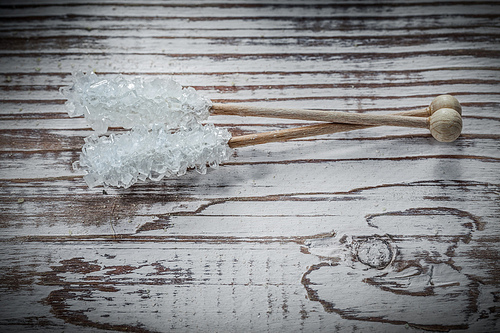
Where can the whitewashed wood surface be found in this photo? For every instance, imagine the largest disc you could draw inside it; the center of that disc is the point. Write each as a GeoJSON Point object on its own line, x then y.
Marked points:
{"type": "Point", "coordinates": [377, 230]}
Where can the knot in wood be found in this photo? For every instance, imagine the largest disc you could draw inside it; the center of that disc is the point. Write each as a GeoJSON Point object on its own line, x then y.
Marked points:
{"type": "Point", "coordinates": [376, 253]}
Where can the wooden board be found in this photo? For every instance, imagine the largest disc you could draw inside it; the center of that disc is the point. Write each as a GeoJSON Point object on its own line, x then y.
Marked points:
{"type": "Point", "coordinates": [382, 229]}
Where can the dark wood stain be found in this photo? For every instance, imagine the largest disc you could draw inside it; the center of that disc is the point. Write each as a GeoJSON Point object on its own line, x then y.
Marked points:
{"type": "Point", "coordinates": [330, 307]}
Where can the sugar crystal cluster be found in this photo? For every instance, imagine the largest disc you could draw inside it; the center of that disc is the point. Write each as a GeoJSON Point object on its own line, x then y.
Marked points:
{"type": "Point", "coordinates": [143, 153]}
{"type": "Point", "coordinates": [122, 102]}
{"type": "Point", "coordinates": [166, 138]}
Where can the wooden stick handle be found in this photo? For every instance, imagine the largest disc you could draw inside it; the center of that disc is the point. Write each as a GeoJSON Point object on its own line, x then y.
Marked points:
{"type": "Point", "coordinates": [290, 133]}
{"type": "Point", "coordinates": [314, 115]}
{"type": "Point", "coordinates": [308, 131]}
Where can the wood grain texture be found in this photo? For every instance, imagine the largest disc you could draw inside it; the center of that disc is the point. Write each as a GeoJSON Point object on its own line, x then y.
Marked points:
{"type": "Point", "coordinates": [380, 229]}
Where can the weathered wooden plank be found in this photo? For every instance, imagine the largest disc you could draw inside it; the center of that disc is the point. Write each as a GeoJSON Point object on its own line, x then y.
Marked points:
{"type": "Point", "coordinates": [240, 63]}
{"type": "Point", "coordinates": [476, 27]}
{"type": "Point", "coordinates": [241, 4]}
{"type": "Point", "coordinates": [214, 11]}
{"type": "Point", "coordinates": [248, 46]}
{"type": "Point", "coordinates": [44, 164]}
{"type": "Point", "coordinates": [260, 181]}
{"type": "Point", "coordinates": [311, 213]}
{"type": "Point", "coordinates": [50, 136]}
{"type": "Point", "coordinates": [340, 78]}
{"type": "Point", "coordinates": [488, 93]}
{"type": "Point", "coordinates": [476, 104]}
{"type": "Point", "coordinates": [362, 143]}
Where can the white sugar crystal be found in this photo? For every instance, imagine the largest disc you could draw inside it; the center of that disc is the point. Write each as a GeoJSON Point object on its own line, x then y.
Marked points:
{"type": "Point", "coordinates": [123, 159]}
{"type": "Point", "coordinates": [121, 102]}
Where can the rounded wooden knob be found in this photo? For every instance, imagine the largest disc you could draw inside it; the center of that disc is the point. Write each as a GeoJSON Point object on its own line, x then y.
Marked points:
{"type": "Point", "coordinates": [445, 125]}
{"type": "Point", "coordinates": [445, 101]}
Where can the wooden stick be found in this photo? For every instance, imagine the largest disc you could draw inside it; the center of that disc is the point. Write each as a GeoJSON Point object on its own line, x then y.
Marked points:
{"type": "Point", "coordinates": [315, 115]}
{"type": "Point", "coordinates": [442, 101]}
{"type": "Point", "coordinates": [290, 133]}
